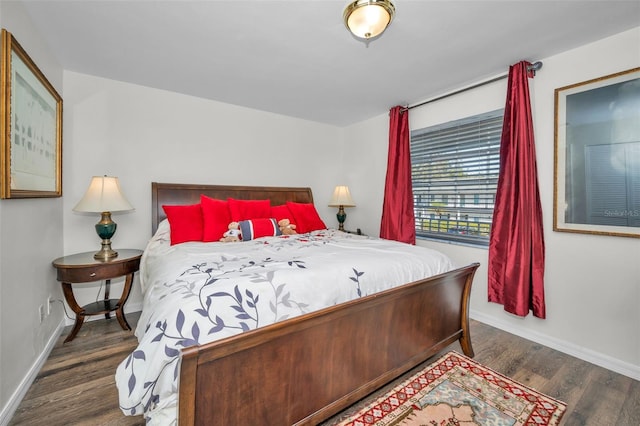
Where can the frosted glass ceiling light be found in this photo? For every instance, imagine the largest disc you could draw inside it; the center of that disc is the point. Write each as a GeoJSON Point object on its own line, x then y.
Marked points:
{"type": "Point", "coordinates": [367, 19]}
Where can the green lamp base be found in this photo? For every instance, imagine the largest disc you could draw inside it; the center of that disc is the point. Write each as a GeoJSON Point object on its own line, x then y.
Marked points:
{"type": "Point", "coordinates": [105, 230]}
{"type": "Point", "coordinates": [342, 216]}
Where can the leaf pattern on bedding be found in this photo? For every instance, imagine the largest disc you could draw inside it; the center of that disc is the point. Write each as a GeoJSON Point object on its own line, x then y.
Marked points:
{"type": "Point", "coordinates": [244, 303]}
{"type": "Point", "coordinates": [356, 279]}
{"type": "Point", "coordinates": [242, 313]}
{"type": "Point", "coordinates": [228, 289]}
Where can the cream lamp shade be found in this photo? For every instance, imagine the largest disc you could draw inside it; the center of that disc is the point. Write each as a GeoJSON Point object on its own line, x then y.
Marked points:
{"type": "Point", "coordinates": [341, 198]}
{"type": "Point", "coordinates": [367, 19]}
{"type": "Point", "coordinates": [104, 196]}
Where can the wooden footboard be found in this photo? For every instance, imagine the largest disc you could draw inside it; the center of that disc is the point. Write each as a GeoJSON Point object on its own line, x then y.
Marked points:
{"type": "Point", "coordinates": [306, 369]}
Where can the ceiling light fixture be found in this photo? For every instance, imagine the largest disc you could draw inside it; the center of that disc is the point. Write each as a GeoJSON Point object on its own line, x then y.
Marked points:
{"type": "Point", "coordinates": [367, 19]}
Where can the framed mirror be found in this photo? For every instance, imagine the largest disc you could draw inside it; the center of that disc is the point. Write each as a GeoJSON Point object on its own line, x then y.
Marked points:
{"type": "Point", "coordinates": [597, 156]}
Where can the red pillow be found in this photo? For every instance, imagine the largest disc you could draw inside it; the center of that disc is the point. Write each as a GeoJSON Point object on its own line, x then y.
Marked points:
{"type": "Point", "coordinates": [306, 217]}
{"type": "Point", "coordinates": [248, 209]}
{"type": "Point", "coordinates": [281, 212]}
{"type": "Point", "coordinates": [216, 218]}
{"type": "Point", "coordinates": [186, 223]}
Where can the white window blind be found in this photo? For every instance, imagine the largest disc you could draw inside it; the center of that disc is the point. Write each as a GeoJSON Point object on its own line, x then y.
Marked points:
{"type": "Point", "coordinates": [454, 172]}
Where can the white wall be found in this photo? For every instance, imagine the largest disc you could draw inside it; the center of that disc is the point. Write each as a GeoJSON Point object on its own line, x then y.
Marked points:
{"type": "Point", "coordinates": [366, 149]}
{"type": "Point", "coordinates": [31, 237]}
{"type": "Point", "coordinates": [592, 282]}
{"type": "Point", "coordinates": [143, 135]}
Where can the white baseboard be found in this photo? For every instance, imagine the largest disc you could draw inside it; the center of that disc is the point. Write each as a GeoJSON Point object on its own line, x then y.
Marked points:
{"type": "Point", "coordinates": [12, 405]}
{"type": "Point", "coordinates": [602, 360]}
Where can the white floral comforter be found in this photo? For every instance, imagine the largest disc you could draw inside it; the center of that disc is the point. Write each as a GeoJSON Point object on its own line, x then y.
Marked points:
{"type": "Point", "coordinates": [195, 293]}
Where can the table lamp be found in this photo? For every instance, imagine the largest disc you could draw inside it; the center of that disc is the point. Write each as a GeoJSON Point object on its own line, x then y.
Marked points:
{"type": "Point", "coordinates": [341, 198]}
{"type": "Point", "coordinates": [104, 196]}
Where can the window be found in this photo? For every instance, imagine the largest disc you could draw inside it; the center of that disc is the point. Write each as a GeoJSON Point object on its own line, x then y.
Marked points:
{"type": "Point", "coordinates": [451, 164]}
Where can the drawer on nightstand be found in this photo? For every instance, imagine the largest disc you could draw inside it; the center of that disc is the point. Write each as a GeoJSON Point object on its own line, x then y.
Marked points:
{"type": "Point", "coordinates": [92, 273]}
{"type": "Point", "coordinates": [83, 267]}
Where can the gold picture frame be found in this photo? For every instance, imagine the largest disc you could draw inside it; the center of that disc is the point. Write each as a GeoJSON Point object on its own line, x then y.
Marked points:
{"type": "Point", "coordinates": [31, 136]}
{"type": "Point", "coordinates": [597, 156]}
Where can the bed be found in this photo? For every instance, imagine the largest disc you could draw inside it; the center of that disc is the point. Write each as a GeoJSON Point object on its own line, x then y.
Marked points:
{"type": "Point", "coordinates": [296, 341]}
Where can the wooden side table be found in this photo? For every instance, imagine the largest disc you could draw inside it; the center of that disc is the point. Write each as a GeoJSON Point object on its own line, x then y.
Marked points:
{"type": "Point", "coordinates": [83, 268]}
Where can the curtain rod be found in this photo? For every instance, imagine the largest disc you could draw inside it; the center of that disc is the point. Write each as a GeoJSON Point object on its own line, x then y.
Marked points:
{"type": "Point", "coordinates": [533, 67]}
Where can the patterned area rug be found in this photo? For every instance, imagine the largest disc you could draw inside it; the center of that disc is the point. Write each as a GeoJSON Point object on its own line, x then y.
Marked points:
{"type": "Point", "coordinates": [455, 390]}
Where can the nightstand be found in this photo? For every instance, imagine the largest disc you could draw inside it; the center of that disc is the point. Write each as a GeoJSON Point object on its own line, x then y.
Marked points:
{"type": "Point", "coordinates": [83, 268]}
{"type": "Point", "coordinates": [357, 232]}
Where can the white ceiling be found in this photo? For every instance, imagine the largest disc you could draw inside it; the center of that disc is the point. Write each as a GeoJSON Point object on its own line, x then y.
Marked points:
{"type": "Point", "coordinates": [295, 57]}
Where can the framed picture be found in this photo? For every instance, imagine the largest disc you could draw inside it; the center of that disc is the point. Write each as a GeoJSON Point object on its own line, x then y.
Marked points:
{"type": "Point", "coordinates": [597, 156]}
{"type": "Point", "coordinates": [31, 136]}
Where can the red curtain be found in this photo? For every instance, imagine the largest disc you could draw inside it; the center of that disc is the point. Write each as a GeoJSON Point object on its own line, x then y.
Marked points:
{"type": "Point", "coordinates": [398, 221]}
{"type": "Point", "coordinates": [516, 245]}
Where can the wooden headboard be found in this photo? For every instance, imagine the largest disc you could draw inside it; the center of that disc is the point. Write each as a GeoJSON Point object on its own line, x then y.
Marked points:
{"type": "Point", "coordinates": [181, 193]}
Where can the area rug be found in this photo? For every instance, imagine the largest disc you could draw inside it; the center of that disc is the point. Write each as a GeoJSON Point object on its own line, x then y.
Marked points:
{"type": "Point", "coordinates": [455, 390]}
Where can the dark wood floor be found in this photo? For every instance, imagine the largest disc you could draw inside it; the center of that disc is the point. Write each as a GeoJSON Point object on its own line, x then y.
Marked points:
{"type": "Point", "coordinates": [76, 385]}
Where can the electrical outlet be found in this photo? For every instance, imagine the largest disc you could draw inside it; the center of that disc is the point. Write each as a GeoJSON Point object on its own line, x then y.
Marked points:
{"type": "Point", "coordinates": [49, 304]}
{"type": "Point", "coordinates": [41, 312]}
